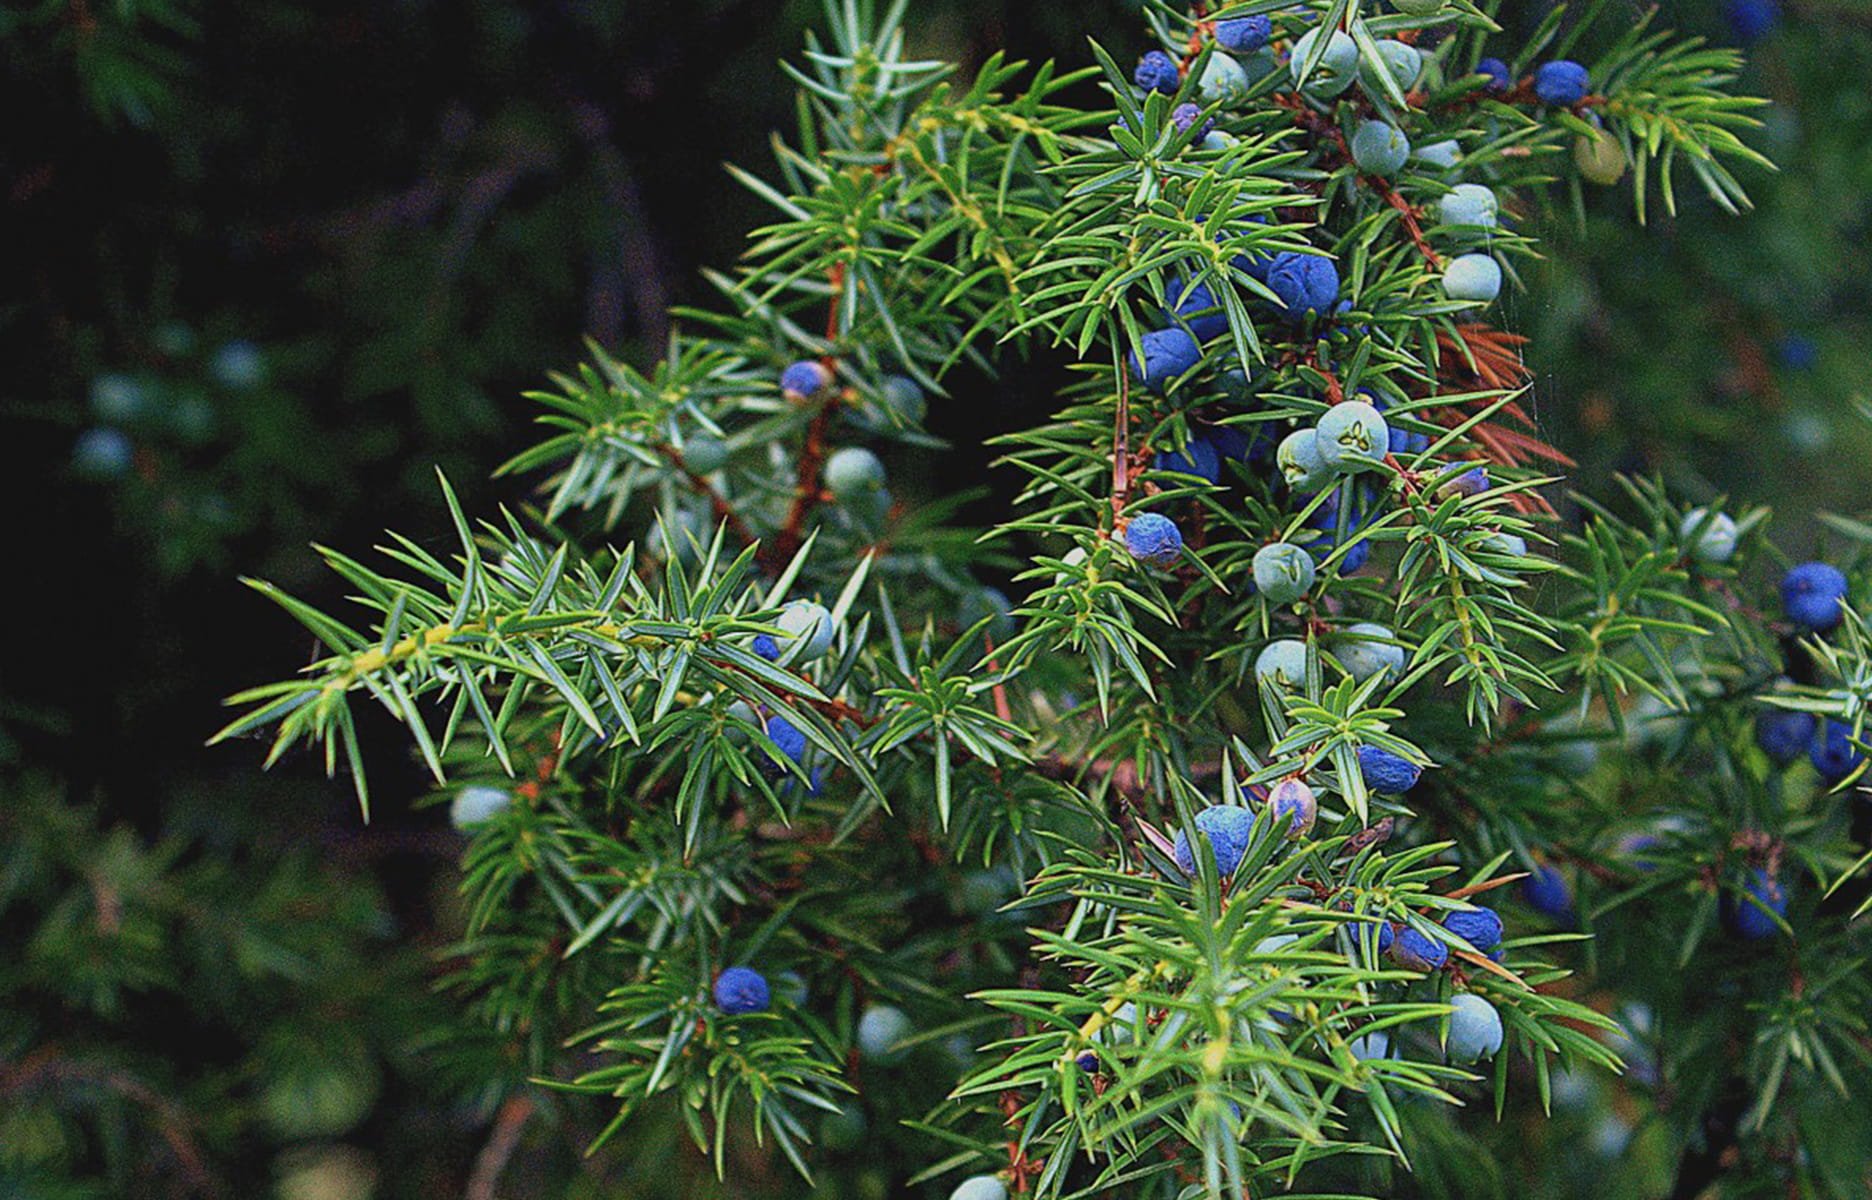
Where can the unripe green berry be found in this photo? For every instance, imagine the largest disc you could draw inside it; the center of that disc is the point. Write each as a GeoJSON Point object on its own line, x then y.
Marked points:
{"type": "Point", "coordinates": [1365, 651]}
{"type": "Point", "coordinates": [705, 453]}
{"type": "Point", "coordinates": [1468, 204]}
{"type": "Point", "coordinates": [1716, 542]}
{"type": "Point", "coordinates": [1379, 148]}
{"type": "Point", "coordinates": [1353, 436]}
{"type": "Point", "coordinates": [1403, 62]}
{"type": "Point", "coordinates": [1337, 68]}
{"type": "Point", "coordinates": [1473, 278]}
{"type": "Point", "coordinates": [1283, 572]}
{"type": "Point", "coordinates": [853, 471]}
{"type": "Point", "coordinates": [1282, 665]}
{"type": "Point", "coordinates": [1222, 82]}
{"type": "Point", "coordinates": [1300, 460]}
{"type": "Point", "coordinates": [1600, 157]}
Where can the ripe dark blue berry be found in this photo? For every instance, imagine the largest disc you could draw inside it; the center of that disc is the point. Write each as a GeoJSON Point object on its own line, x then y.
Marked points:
{"type": "Point", "coordinates": [1168, 353]}
{"type": "Point", "coordinates": [1811, 595]}
{"type": "Point", "coordinates": [1199, 458]}
{"type": "Point", "coordinates": [1387, 773]}
{"type": "Point", "coordinates": [1184, 117]}
{"type": "Point", "coordinates": [1833, 754]}
{"type": "Point", "coordinates": [1157, 72]}
{"type": "Point", "coordinates": [1227, 828]}
{"type": "Point", "coordinates": [1304, 282]}
{"type": "Point", "coordinates": [1153, 538]}
{"type": "Point", "coordinates": [787, 738]}
{"type": "Point", "coordinates": [1751, 20]}
{"type": "Point", "coordinates": [1561, 82]}
{"type": "Point", "coordinates": [1499, 80]}
{"type": "Point", "coordinates": [805, 379]}
{"type": "Point", "coordinates": [1748, 920]}
{"type": "Point", "coordinates": [1784, 736]}
{"type": "Point", "coordinates": [1195, 305]}
{"type": "Point", "coordinates": [1244, 35]}
{"type": "Point", "coordinates": [1418, 951]}
{"type": "Point", "coordinates": [740, 990]}
{"type": "Point", "coordinates": [1481, 928]}
{"type": "Point", "coordinates": [1546, 891]}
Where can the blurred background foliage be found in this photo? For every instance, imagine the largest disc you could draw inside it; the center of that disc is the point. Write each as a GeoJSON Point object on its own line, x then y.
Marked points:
{"type": "Point", "coordinates": [273, 263]}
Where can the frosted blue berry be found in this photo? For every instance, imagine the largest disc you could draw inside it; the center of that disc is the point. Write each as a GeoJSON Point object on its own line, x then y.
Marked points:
{"type": "Point", "coordinates": [1711, 538]}
{"type": "Point", "coordinates": [1784, 735]}
{"type": "Point", "coordinates": [805, 379]}
{"type": "Point", "coordinates": [1379, 148]}
{"type": "Point", "coordinates": [1751, 20]}
{"type": "Point", "coordinates": [1833, 754]}
{"type": "Point", "coordinates": [1300, 461]}
{"type": "Point", "coordinates": [1199, 458]}
{"type": "Point", "coordinates": [882, 1029]}
{"type": "Point", "coordinates": [1386, 934]}
{"type": "Point", "coordinates": [1244, 35]}
{"type": "Point", "coordinates": [1418, 951]}
{"type": "Point", "coordinates": [1811, 595]}
{"type": "Point", "coordinates": [1546, 891]}
{"type": "Point", "coordinates": [1185, 116]}
{"type": "Point", "coordinates": [807, 624]}
{"type": "Point", "coordinates": [1469, 205]}
{"type": "Point", "coordinates": [1496, 71]}
{"type": "Point", "coordinates": [1744, 916]}
{"type": "Point", "coordinates": [1561, 82]}
{"type": "Point", "coordinates": [1154, 539]}
{"type": "Point", "coordinates": [1168, 353]}
{"type": "Point", "coordinates": [1367, 650]}
{"type": "Point", "coordinates": [102, 453]}
{"type": "Point", "coordinates": [741, 990]}
{"type": "Point", "coordinates": [1386, 773]}
{"type": "Point", "coordinates": [1283, 572]}
{"type": "Point", "coordinates": [1475, 1028]}
{"type": "Point", "coordinates": [477, 805]}
{"type": "Point", "coordinates": [1472, 278]}
{"type": "Point", "coordinates": [852, 472]}
{"type": "Point", "coordinates": [787, 738]}
{"type": "Point", "coordinates": [1292, 801]}
{"type": "Point", "coordinates": [1157, 72]}
{"type": "Point", "coordinates": [1481, 928]}
{"type": "Point", "coordinates": [1502, 542]}
{"type": "Point", "coordinates": [1282, 665]}
{"type": "Point", "coordinates": [1227, 829]}
{"type": "Point", "coordinates": [980, 1187]}
{"type": "Point", "coordinates": [1369, 1046]}
{"type": "Point", "coordinates": [1472, 482]}
{"type": "Point", "coordinates": [1353, 436]}
{"type": "Point", "coordinates": [1195, 305]}
{"type": "Point", "coordinates": [1337, 67]}
{"type": "Point", "coordinates": [1304, 282]}
{"type": "Point", "coordinates": [1254, 265]}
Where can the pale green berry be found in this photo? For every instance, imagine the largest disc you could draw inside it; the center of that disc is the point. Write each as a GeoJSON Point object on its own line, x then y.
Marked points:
{"type": "Point", "coordinates": [1379, 148]}
{"type": "Point", "coordinates": [1472, 278]}
{"type": "Point", "coordinates": [1366, 651]}
{"type": "Point", "coordinates": [1282, 665]}
{"type": "Point", "coordinates": [1600, 157]}
{"type": "Point", "coordinates": [1222, 82]}
{"type": "Point", "coordinates": [853, 471]}
{"type": "Point", "coordinates": [1443, 154]}
{"type": "Point", "coordinates": [807, 622]}
{"type": "Point", "coordinates": [1716, 542]}
{"type": "Point", "coordinates": [1300, 460]}
{"type": "Point", "coordinates": [1283, 572]}
{"type": "Point", "coordinates": [1337, 67]}
{"type": "Point", "coordinates": [1403, 62]}
{"type": "Point", "coordinates": [1353, 436]}
{"type": "Point", "coordinates": [1468, 204]}
{"type": "Point", "coordinates": [882, 1029]}
{"type": "Point", "coordinates": [980, 1187]}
